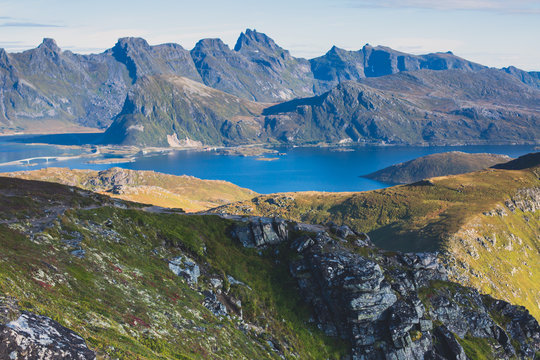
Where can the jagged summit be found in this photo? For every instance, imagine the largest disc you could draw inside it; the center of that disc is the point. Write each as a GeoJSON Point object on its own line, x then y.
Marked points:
{"type": "Point", "coordinates": [253, 39]}
{"type": "Point", "coordinates": [90, 90]}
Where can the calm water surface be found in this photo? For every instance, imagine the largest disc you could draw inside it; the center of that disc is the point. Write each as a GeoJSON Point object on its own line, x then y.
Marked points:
{"type": "Point", "coordinates": [298, 169]}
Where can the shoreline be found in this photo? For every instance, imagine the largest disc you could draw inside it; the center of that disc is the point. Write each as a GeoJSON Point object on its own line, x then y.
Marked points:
{"type": "Point", "coordinates": [260, 151]}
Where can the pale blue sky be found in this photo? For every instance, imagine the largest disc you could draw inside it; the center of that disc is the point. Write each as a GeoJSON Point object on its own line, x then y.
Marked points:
{"type": "Point", "coordinates": [491, 32]}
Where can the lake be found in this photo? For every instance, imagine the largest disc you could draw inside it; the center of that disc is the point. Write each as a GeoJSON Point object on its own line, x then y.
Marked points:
{"type": "Point", "coordinates": [296, 169]}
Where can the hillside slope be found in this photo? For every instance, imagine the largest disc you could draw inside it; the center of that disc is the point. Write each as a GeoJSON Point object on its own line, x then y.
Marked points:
{"type": "Point", "coordinates": [176, 111]}
{"type": "Point", "coordinates": [485, 222]}
{"type": "Point", "coordinates": [450, 163]}
{"type": "Point", "coordinates": [147, 187]}
{"type": "Point", "coordinates": [447, 107]}
{"type": "Point", "coordinates": [138, 285]}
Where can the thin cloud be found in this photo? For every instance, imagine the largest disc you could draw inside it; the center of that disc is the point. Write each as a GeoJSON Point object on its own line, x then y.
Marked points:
{"type": "Point", "coordinates": [501, 6]}
{"type": "Point", "coordinates": [29, 24]}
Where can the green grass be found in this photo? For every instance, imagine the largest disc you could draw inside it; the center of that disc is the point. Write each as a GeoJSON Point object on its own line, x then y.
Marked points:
{"type": "Point", "coordinates": [125, 301]}
{"type": "Point", "coordinates": [477, 348]}
{"type": "Point", "coordinates": [416, 217]}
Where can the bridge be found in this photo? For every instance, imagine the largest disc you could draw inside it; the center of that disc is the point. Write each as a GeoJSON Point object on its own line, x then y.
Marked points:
{"type": "Point", "coordinates": [28, 161]}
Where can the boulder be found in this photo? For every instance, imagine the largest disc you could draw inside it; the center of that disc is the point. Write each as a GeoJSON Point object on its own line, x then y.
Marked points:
{"type": "Point", "coordinates": [32, 336]}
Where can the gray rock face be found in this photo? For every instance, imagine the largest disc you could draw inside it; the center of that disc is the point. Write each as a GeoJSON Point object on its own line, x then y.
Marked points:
{"type": "Point", "coordinates": [260, 231]}
{"type": "Point", "coordinates": [24, 335]}
{"type": "Point", "coordinates": [142, 59]}
{"type": "Point", "coordinates": [386, 305]}
{"type": "Point", "coordinates": [212, 303]}
{"type": "Point", "coordinates": [525, 200]}
{"type": "Point", "coordinates": [185, 267]}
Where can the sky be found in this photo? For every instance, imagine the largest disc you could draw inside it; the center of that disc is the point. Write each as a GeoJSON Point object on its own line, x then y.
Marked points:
{"type": "Point", "coordinates": [491, 32]}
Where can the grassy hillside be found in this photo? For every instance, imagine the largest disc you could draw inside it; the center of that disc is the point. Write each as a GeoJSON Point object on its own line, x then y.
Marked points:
{"type": "Point", "coordinates": [101, 267]}
{"type": "Point", "coordinates": [441, 214]}
{"type": "Point", "coordinates": [147, 187]}
{"type": "Point", "coordinates": [450, 163]}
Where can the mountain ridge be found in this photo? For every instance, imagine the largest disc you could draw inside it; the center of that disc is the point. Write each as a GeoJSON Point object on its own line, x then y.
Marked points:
{"type": "Point", "coordinates": [89, 90]}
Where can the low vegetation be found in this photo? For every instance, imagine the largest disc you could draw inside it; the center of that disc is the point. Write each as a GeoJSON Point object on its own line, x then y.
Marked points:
{"type": "Point", "coordinates": [487, 241]}
{"type": "Point", "coordinates": [146, 187]}
{"type": "Point", "coordinates": [101, 269]}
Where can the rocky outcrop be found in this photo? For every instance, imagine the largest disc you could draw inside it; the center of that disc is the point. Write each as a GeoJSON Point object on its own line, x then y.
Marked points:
{"type": "Point", "coordinates": [186, 268]}
{"type": "Point", "coordinates": [25, 335]}
{"type": "Point", "coordinates": [526, 200]}
{"type": "Point", "coordinates": [392, 306]}
{"type": "Point", "coordinates": [261, 231]}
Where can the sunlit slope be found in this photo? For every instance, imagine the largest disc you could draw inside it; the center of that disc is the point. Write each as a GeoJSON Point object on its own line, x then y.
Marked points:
{"type": "Point", "coordinates": [485, 223]}
{"type": "Point", "coordinates": [147, 187]}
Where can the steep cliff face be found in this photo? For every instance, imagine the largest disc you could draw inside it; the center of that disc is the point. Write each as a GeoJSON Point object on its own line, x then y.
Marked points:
{"type": "Point", "coordinates": [256, 69]}
{"type": "Point", "coordinates": [422, 107]}
{"type": "Point", "coordinates": [339, 65]}
{"type": "Point", "coordinates": [142, 59]}
{"type": "Point", "coordinates": [56, 85]}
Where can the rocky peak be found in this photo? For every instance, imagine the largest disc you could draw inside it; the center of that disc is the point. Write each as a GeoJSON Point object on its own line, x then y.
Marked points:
{"type": "Point", "coordinates": [4, 59]}
{"type": "Point", "coordinates": [254, 39]}
{"type": "Point", "coordinates": [211, 45]}
{"type": "Point", "coordinates": [131, 44]}
{"type": "Point", "coordinates": [50, 44]}
{"type": "Point", "coordinates": [336, 51]}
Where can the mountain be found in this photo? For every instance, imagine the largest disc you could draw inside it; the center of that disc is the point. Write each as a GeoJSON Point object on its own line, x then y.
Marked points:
{"type": "Point", "coordinates": [485, 224]}
{"type": "Point", "coordinates": [446, 107]}
{"type": "Point", "coordinates": [49, 90]}
{"type": "Point", "coordinates": [339, 65]}
{"type": "Point", "coordinates": [530, 78]}
{"type": "Point", "coordinates": [442, 164]}
{"type": "Point", "coordinates": [86, 276]}
{"type": "Point", "coordinates": [142, 59]}
{"type": "Point", "coordinates": [256, 69]}
{"type": "Point", "coordinates": [148, 187]}
{"type": "Point", "coordinates": [176, 111]}
{"type": "Point", "coordinates": [420, 107]}
{"type": "Point", "coordinates": [44, 89]}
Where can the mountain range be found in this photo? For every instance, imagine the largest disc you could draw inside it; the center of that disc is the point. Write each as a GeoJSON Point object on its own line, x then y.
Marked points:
{"type": "Point", "coordinates": [265, 94]}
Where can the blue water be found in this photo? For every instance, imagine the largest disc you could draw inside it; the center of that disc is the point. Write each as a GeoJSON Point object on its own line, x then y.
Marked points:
{"type": "Point", "coordinates": [299, 169]}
